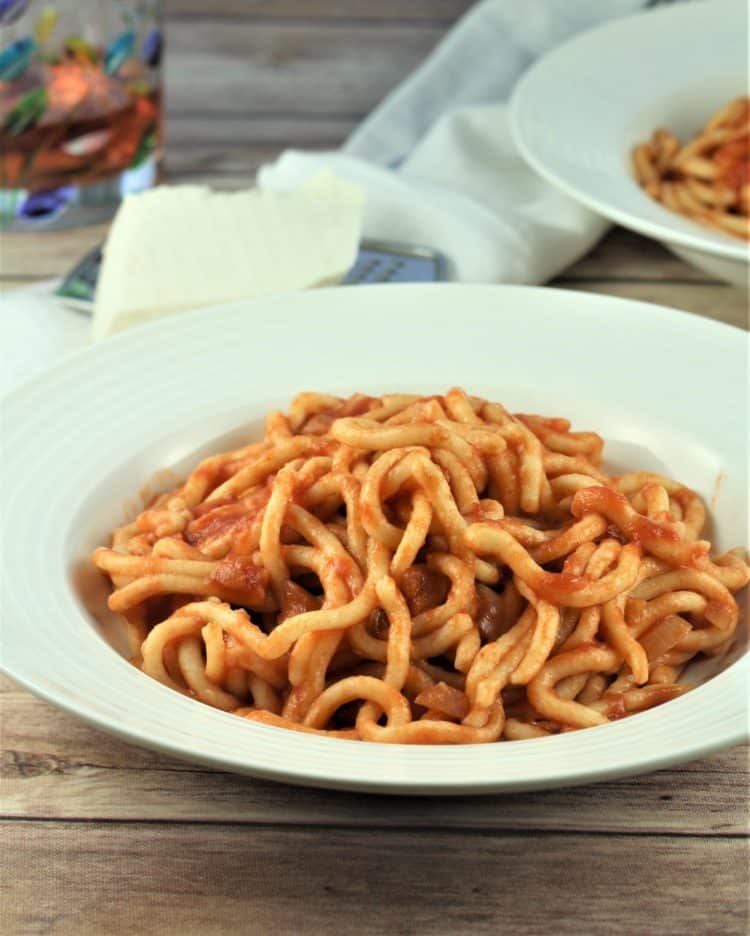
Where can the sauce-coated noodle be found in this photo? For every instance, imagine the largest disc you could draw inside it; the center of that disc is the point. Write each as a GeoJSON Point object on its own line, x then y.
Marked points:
{"type": "Point", "coordinates": [422, 570]}
{"type": "Point", "coordinates": [707, 179]}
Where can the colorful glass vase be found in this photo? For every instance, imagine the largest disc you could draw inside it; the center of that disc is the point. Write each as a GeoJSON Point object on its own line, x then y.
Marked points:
{"type": "Point", "coordinates": [80, 108]}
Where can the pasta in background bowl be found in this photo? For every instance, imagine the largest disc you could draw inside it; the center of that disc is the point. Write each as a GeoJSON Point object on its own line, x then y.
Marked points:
{"type": "Point", "coordinates": [708, 178]}
{"type": "Point", "coordinates": [578, 131]}
{"type": "Point", "coordinates": [541, 351]}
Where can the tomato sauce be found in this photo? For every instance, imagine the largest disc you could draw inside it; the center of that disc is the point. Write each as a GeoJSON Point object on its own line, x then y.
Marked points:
{"type": "Point", "coordinates": [241, 574]}
{"type": "Point", "coordinates": [733, 162]}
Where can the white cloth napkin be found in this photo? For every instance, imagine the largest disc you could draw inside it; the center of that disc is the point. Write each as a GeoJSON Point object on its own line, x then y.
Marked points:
{"type": "Point", "coordinates": [437, 159]}
{"type": "Point", "coordinates": [36, 331]}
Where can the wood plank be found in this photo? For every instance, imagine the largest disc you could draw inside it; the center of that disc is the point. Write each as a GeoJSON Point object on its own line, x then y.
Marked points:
{"type": "Point", "coordinates": [26, 257]}
{"type": "Point", "coordinates": [9, 284]}
{"type": "Point", "coordinates": [182, 795]}
{"type": "Point", "coordinates": [445, 11]}
{"type": "Point", "coordinates": [623, 264]}
{"type": "Point", "coordinates": [190, 135]}
{"type": "Point", "coordinates": [56, 766]}
{"type": "Point", "coordinates": [714, 300]}
{"type": "Point", "coordinates": [229, 168]}
{"type": "Point", "coordinates": [8, 685]}
{"type": "Point", "coordinates": [249, 67]}
{"type": "Point", "coordinates": [62, 878]}
{"type": "Point", "coordinates": [39, 739]}
{"type": "Point", "coordinates": [47, 253]}
{"type": "Point", "coordinates": [623, 254]}
{"type": "Point", "coordinates": [241, 167]}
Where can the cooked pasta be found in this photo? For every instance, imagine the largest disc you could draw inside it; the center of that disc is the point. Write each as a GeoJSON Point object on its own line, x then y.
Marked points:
{"type": "Point", "coordinates": [422, 570]}
{"type": "Point", "coordinates": [708, 179]}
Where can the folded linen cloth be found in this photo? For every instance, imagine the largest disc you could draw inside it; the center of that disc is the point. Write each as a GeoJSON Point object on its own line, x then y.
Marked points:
{"type": "Point", "coordinates": [437, 159]}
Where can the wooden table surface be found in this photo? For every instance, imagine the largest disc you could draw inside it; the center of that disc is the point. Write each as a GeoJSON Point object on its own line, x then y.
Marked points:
{"type": "Point", "coordinates": [103, 837]}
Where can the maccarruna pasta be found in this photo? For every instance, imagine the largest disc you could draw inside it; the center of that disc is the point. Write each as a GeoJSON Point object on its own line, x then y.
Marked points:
{"type": "Point", "coordinates": [707, 179]}
{"type": "Point", "coordinates": [422, 570]}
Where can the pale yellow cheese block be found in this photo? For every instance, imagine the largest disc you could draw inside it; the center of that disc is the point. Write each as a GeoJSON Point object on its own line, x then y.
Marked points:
{"type": "Point", "coordinates": [184, 246]}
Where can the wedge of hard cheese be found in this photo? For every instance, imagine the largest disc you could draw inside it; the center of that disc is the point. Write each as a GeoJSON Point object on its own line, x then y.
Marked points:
{"type": "Point", "coordinates": [183, 246]}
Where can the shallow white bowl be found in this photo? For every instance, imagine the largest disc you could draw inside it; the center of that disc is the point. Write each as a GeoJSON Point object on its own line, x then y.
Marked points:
{"type": "Point", "coordinates": [578, 112]}
{"type": "Point", "coordinates": [83, 439]}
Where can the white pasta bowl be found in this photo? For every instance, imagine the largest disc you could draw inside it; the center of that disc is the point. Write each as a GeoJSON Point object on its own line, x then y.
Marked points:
{"type": "Point", "coordinates": [578, 113]}
{"type": "Point", "coordinates": [82, 441]}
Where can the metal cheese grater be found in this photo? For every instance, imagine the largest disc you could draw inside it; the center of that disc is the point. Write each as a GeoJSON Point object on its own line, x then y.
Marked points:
{"type": "Point", "coordinates": [79, 286]}
{"type": "Point", "coordinates": [386, 262]}
{"type": "Point", "coordinates": [377, 262]}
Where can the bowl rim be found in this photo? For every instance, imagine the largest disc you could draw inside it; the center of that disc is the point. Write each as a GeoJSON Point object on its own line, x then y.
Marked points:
{"type": "Point", "coordinates": [402, 769]}
{"type": "Point", "coordinates": [732, 249]}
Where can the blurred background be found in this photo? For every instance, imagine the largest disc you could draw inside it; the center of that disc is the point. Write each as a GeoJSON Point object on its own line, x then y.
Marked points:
{"type": "Point", "coordinates": [81, 102]}
{"type": "Point", "coordinates": [245, 79]}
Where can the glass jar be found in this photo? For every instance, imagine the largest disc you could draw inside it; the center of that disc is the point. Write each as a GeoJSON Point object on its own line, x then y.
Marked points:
{"type": "Point", "coordinates": [80, 108]}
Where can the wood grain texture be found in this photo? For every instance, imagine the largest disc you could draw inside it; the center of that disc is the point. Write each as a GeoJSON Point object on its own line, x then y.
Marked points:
{"type": "Point", "coordinates": [623, 263]}
{"type": "Point", "coordinates": [224, 880]}
{"type": "Point", "coordinates": [229, 138]}
{"type": "Point", "coordinates": [208, 162]}
{"type": "Point", "coordinates": [104, 778]}
{"type": "Point", "coordinates": [247, 67]}
{"type": "Point", "coordinates": [10, 283]}
{"type": "Point", "coordinates": [626, 255]}
{"type": "Point", "coordinates": [407, 11]}
{"type": "Point", "coordinates": [713, 300]}
{"type": "Point", "coordinates": [47, 253]}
